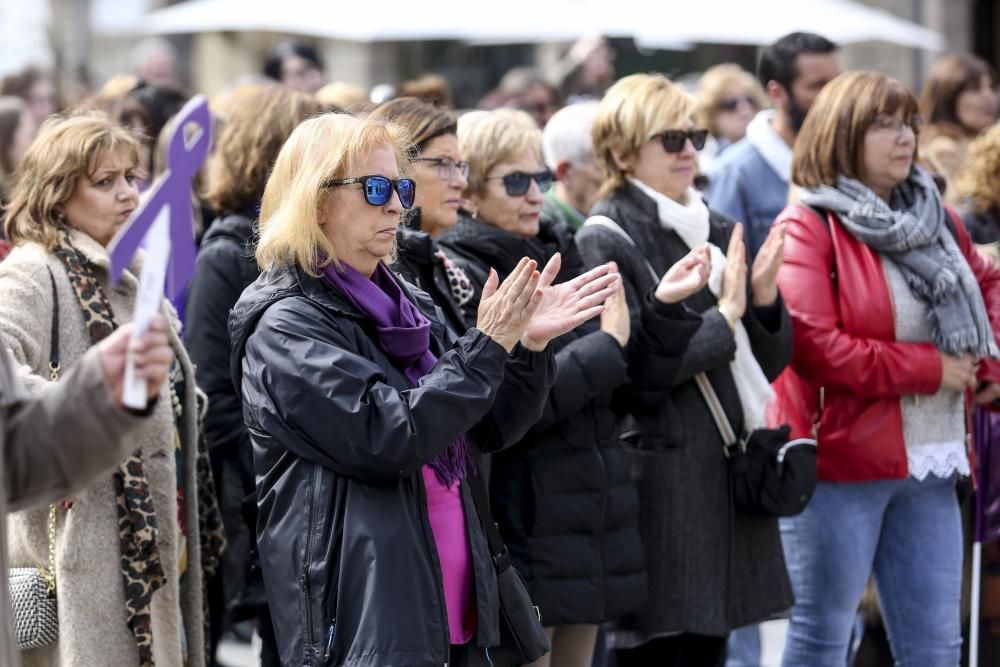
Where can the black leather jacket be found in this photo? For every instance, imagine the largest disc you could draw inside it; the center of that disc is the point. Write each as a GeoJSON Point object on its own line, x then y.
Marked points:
{"type": "Point", "coordinates": [339, 438]}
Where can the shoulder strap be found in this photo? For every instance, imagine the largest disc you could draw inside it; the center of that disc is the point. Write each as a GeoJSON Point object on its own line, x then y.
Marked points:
{"type": "Point", "coordinates": [605, 221]}
{"type": "Point", "coordinates": [480, 496]}
{"type": "Point", "coordinates": [54, 340]}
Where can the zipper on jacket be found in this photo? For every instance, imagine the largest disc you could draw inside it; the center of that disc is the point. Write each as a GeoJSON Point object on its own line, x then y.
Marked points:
{"type": "Point", "coordinates": [819, 414]}
{"type": "Point", "coordinates": [600, 535]}
{"type": "Point", "coordinates": [329, 639]}
{"type": "Point", "coordinates": [435, 563]}
{"type": "Point", "coordinates": [307, 556]}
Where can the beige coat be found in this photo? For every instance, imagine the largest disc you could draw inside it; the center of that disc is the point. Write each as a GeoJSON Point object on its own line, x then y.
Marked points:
{"type": "Point", "coordinates": [51, 445]}
{"type": "Point", "coordinates": [92, 627]}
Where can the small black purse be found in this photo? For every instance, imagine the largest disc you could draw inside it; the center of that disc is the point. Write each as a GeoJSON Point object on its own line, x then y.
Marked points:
{"type": "Point", "coordinates": [522, 637]}
{"type": "Point", "coordinates": [770, 475]}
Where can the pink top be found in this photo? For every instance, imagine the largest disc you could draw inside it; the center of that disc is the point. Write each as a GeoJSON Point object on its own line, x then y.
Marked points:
{"type": "Point", "coordinates": [447, 516]}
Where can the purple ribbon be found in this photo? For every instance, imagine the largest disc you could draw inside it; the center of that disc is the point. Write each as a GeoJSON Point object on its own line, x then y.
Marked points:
{"type": "Point", "coordinates": [173, 189]}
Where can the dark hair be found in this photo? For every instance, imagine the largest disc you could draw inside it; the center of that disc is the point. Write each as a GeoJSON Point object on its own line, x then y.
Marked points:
{"type": "Point", "coordinates": [948, 78]}
{"type": "Point", "coordinates": [423, 121]}
{"type": "Point", "coordinates": [20, 84]}
{"type": "Point", "coordinates": [272, 66]}
{"type": "Point", "coordinates": [778, 62]}
{"type": "Point", "coordinates": [155, 104]}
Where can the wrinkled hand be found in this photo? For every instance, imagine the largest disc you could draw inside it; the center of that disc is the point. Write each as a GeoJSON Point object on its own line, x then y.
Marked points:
{"type": "Point", "coordinates": [686, 277]}
{"type": "Point", "coordinates": [615, 320]}
{"type": "Point", "coordinates": [958, 373]}
{"type": "Point", "coordinates": [504, 311]}
{"type": "Point", "coordinates": [151, 354]}
{"type": "Point", "coordinates": [988, 394]}
{"type": "Point", "coordinates": [764, 273]}
{"type": "Point", "coordinates": [568, 305]}
{"type": "Point", "coordinates": [733, 300]}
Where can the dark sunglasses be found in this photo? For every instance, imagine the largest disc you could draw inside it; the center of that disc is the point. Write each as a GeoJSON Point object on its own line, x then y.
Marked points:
{"type": "Point", "coordinates": [518, 182]}
{"type": "Point", "coordinates": [674, 140]}
{"type": "Point", "coordinates": [733, 103]}
{"type": "Point", "coordinates": [378, 189]}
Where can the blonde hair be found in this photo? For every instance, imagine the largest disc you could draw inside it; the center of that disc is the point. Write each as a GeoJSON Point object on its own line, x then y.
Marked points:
{"type": "Point", "coordinates": [632, 111]}
{"type": "Point", "coordinates": [323, 148]}
{"type": "Point", "coordinates": [65, 149]}
{"type": "Point", "coordinates": [713, 87]}
{"type": "Point", "coordinates": [979, 180]}
{"type": "Point", "coordinates": [341, 95]}
{"type": "Point", "coordinates": [487, 138]}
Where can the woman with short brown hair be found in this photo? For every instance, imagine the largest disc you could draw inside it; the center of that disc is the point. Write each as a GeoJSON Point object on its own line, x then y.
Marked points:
{"type": "Point", "coordinates": [894, 315]}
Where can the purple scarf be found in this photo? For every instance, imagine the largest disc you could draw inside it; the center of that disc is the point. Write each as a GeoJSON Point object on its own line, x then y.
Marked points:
{"type": "Point", "coordinates": [404, 334]}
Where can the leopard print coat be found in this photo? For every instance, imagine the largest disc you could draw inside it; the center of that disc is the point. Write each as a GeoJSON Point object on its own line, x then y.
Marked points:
{"type": "Point", "coordinates": [91, 597]}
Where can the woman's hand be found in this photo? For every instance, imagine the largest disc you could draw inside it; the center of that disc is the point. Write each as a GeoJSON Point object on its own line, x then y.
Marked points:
{"type": "Point", "coordinates": [988, 393]}
{"type": "Point", "coordinates": [504, 311]}
{"type": "Point", "coordinates": [958, 373]}
{"type": "Point", "coordinates": [615, 320]}
{"type": "Point", "coordinates": [568, 305]}
{"type": "Point", "coordinates": [686, 277]}
{"type": "Point", "coordinates": [733, 300]}
{"type": "Point", "coordinates": [151, 354]}
{"type": "Point", "coordinates": [764, 274]}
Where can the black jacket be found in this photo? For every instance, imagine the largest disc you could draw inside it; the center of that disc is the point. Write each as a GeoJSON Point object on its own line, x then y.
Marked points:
{"type": "Point", "coordinates": [563, 497]}
{"type": "Point", "coordinates": [418, 264]}
{"type": "Point", "coordinates": [984, 228]}
{"type": "Point", "coordinates": [225, 267]}
{"type": "Point", "coordinates": [711, 568]}
{"type": "Point", "coordinates": [339, 438]}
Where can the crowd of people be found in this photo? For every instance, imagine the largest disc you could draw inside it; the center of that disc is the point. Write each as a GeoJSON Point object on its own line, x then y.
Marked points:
{"type": "Point", "coordinates": [408, 321]}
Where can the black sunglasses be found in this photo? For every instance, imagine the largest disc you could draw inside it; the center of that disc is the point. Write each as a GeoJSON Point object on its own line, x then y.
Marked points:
{"type": "Point", "coordinates": [518, 182]}
{"type": "Point", "coordinates": [733, 103]}
{"type": "Point", "coordinates": [674, 140]}
{"type": "Point", "coordinates": [378, 189]}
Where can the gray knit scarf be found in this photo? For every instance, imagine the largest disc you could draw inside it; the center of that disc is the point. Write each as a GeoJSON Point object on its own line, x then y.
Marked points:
{"type": "Point", "coordinates": [912, 232]}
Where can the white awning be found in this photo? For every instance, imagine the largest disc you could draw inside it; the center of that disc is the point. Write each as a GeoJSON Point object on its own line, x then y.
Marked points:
{"type": "Point", "coordinates": [662, 24]}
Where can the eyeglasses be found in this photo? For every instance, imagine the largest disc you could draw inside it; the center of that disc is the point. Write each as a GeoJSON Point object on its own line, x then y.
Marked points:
{"type": "Point", "coordinates": [674, 140]}
{"type": "Point", "coordinates": [517, 183]}
{"type": "Point", "coordinates": [378, 189]}
{"type": "Point", "coordinates": [913, 123]}
{"type": "Point", "coordinates": [446, 167]}
{"type": "Point", "coordinates": [733, 103]}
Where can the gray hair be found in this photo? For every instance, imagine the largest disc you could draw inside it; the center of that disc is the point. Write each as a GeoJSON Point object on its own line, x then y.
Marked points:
{"type": "Point", "coordinates": [567, 135]}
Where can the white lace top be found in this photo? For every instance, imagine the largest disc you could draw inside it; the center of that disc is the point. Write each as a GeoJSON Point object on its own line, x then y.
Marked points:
{"type": "Point", "coordinates": [933, 426]}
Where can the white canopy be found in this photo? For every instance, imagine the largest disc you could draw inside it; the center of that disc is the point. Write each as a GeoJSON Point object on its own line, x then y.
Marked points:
{"type": "Point", "coordinates": [661, 24]}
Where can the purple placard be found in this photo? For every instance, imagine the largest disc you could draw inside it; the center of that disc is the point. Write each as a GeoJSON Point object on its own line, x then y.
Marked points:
{"type": "Point", "coordinates": [173, 189]}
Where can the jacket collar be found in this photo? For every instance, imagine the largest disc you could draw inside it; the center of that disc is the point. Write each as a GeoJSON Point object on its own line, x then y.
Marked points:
{"type": "Point", "coordinates": [97, 256]}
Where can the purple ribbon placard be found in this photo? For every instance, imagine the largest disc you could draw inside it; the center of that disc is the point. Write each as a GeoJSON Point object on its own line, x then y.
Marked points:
{"type": "Point", "coordinates": [173, 191]}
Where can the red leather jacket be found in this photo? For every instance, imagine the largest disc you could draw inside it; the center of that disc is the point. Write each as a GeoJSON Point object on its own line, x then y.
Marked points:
{"type": "Point", "coordinates": [846, 350]}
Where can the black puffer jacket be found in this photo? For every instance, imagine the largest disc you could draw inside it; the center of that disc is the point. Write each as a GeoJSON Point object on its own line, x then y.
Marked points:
{"type": "Point", "coordinates": [417, 262]}
{"type": "Point", "coordinates": [339, 438]}
{"type": "Point", "coordinates": [563, 497]}
{"type": "Point", "coordinates": [225, 267]}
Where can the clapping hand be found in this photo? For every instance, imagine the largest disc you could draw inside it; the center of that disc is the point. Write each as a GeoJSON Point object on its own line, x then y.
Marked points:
{"type": "Point", "coordinates": [506, 308]}
{"type": "Point", "coordinates": [764, 274]}
{"type": "Point", "coordinates": [568, 305]}
{"type": "Point", "coordinates": [686, 277]}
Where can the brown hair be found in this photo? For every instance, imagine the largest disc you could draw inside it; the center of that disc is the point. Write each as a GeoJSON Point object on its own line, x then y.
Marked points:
{"type": "Point", "coordinates": [487, 138]}
{"type": "Point", "coordinates": [430, 88]}
{"type": "Point", "coordinates": [423, 121]}
{"type": "Point", "coordinates": [831, 141]}
{"type": "Point", "coordinates": [11, 110]}
{"type": "Point", "coordinates": [948, 78]}
{"type": "Point", "coordinates": [713, 86]}
{"type": "Point", "coordinates": [65, 150]}
{"type": "Point", "coordinates": [632, 111]}
{"type": "Point", "coordinates": [251, 137]}
{"type": "Point", "coordinates": [979, 180]}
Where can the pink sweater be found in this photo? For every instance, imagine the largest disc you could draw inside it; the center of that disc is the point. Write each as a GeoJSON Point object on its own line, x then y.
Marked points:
{"type": "Point", "coordinates": [447, 517]}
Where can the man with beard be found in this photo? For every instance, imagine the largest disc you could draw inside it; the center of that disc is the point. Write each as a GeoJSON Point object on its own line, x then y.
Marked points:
{"type": "Point", "coordinates": [750, 181]}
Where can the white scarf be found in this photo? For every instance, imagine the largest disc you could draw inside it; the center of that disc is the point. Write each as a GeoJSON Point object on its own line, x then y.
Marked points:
{"type": "Point", "coordinates": [690, 222]}
{"type": "Point", "coordinates": [776, 153]}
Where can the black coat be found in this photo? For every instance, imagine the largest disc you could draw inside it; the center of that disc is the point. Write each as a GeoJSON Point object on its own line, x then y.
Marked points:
{"type": "Point", "coordinates": [984, 228]}
{"type": "Point", "coordinates": [711, 568]}
{"type": "Point", "coordinates": [419, 265]}
{"type": "Point", "coordinates": [563, 497]}
{"type": "Point", "coordinates": [339, 438]}
{"type": "Point", "coordinates": [225, 267]}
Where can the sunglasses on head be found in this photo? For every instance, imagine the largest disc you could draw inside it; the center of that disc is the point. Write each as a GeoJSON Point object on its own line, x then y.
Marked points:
{"type": "Point", "coordinates": [674, 140]}
{"type": "Point", "coordinates": [378, 189]}
{"type": "Point", "coordinates": [733, 103]}
{"type": "Point", "coordinates": [518, 182]}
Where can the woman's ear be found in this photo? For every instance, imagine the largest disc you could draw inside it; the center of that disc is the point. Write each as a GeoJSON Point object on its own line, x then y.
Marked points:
{"type": "Point", "coordinates": [620, 161]}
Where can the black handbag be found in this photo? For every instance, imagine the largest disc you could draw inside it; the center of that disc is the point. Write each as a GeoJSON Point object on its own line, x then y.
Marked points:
{"type": "Point", "coordinates": [522, 637]}
{"type": "Point", "coordinates": [769, 474]}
